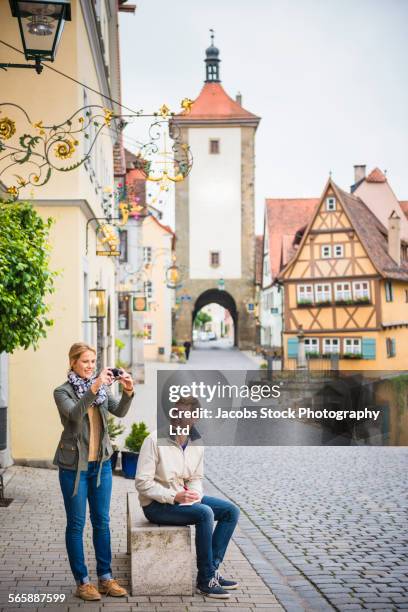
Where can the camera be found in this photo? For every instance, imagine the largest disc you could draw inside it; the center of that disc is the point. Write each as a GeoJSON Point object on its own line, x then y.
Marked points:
{"type": "Point", "coordinates": [116, 372]}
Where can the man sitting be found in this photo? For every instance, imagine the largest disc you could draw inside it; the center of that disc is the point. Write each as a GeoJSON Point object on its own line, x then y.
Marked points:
{"type": "Point", "coordinates": [169, 482]}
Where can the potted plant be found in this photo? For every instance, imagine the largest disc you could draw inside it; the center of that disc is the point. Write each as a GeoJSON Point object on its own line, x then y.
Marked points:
{"type": "Point", "coordinates": [115, 429]}
{"type": "Point", "coordinates": [133, 444]}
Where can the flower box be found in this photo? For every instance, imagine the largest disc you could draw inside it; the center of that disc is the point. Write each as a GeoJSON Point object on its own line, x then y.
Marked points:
{"type": "Point", "coordinates": [313, 355]}
{"type": "Point", "coordinates": [304, 303]}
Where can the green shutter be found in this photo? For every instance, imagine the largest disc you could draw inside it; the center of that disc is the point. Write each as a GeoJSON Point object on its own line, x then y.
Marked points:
{"type": "Point", "coordinates": [368, 347]}
{"type": "Point", "coordinates": [293, 348]}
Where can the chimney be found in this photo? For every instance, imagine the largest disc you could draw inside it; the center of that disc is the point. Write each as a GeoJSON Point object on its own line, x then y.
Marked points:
{"type": "Point", "coordinates": [359, 173]}
{"type": "Point", "coordinates": [394, 237]}
{"type": "Point", "coordinates": [238, 98]}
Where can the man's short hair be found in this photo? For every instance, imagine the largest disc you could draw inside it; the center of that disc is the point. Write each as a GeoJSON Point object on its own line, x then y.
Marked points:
{"type": "Point", "coordinates": [188, 402]}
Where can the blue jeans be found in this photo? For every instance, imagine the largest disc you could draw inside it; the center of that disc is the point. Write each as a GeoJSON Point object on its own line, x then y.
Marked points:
{"type": "Point", "coordinates": [211, 543]}
{"type": "Point", "coordinates": [75, 507]}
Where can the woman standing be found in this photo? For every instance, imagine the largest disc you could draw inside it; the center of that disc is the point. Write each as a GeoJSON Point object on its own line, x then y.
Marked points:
{"type": "Point", "coordinates": [83, 458]}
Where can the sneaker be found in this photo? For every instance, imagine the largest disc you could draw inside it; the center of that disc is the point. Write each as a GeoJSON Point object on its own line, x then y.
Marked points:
{"type": "Point", "coordinates": [111, 587]}
{"type": "Point", "coordinates": [228, 585]}
{"type": "Point", "coordinates": [213, 589]}
{"type": "Point", "coordinates": [87, 592]}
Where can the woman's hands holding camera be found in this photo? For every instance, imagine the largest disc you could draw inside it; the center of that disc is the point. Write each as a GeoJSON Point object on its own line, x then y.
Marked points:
{"type": "Point", "coordinates": [126, 381]}
{"type": "Point", "coordinates": [107, 377]}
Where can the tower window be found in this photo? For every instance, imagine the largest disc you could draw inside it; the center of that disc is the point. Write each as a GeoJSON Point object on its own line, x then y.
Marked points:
{"type": "Point", "coordinates": [214, 259]}
{"type": "Point", "coordinates": [214, 146]}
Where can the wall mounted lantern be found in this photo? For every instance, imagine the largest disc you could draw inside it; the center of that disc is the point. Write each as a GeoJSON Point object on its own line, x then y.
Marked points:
{"type": "Point", "coordinates": [41, 24]}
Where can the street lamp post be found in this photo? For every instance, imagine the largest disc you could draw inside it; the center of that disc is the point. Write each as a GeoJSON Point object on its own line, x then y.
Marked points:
{"type": "Point", "coordinates": [97, 311]}
{"type": "Point", "coordinates": [41, 24]}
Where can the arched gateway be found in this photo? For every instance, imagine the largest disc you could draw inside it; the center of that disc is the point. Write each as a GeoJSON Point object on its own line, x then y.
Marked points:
{"type": "Point", "coordinates": [215, 207]}
{"type": "Point", "coordinates": [224, 299]}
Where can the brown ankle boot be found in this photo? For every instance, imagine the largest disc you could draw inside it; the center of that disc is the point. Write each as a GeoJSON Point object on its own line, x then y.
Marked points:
{"type": "Point", "coordinates": [111, 587]}
{"type": "Point", "coordinates": [87, 592]}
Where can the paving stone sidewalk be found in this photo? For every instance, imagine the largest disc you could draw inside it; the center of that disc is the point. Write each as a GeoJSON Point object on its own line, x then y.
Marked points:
{"type": "Point", "coordinates": [33, 557]}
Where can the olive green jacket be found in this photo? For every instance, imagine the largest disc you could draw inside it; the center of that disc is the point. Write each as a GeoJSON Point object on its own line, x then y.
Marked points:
{"type": "Point", "coordinates": [73, 448]}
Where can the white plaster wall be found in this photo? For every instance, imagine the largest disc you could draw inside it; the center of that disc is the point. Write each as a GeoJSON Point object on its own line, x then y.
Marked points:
{"type": "Point", "coordinates": [270, 320]}
{"type": "Point", "coordinates": [215, 203]}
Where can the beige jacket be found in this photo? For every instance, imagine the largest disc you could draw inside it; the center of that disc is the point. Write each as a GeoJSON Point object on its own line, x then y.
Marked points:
{"type": "Point", "coordinates": [163, 470]}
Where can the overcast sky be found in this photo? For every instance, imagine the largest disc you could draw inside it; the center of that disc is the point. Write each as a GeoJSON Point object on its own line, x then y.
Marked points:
{"type": "Point", "coordinates": [328, 77]}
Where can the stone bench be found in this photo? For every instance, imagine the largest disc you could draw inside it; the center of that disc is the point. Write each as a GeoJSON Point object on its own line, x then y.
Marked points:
{"type": "Point", "coordinates": [160, 555]}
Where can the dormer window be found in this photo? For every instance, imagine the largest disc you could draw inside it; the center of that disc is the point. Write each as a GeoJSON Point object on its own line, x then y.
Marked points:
{"type": "Point", "coordinates": [330, 204]}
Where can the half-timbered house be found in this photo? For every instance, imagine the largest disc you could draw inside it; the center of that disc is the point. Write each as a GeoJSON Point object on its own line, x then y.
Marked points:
{"type": "Point", "coordinates": [346, 287]}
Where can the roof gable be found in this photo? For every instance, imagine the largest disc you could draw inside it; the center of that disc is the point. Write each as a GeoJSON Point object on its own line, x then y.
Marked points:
{"type": "Point", "coordinates": [371, 233]}
{"type": "Point", "coordinates": [330, 189]}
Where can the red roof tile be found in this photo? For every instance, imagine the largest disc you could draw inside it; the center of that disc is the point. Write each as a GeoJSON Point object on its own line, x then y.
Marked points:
{"type": "Point", "coordinates": [214, 104]}
{"type": "Point", "coordinates": [404, 207]}
{"type": "Point", "coordinates": [376, 176]}
{"type": "Point", "coordinates": [258, 259]}
{"type": "Point", "coordinates": [285, 217]}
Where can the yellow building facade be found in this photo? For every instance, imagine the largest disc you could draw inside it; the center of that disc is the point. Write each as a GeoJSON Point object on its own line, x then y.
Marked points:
{"type": "Point", "coordinates": [346, 288]}
{"type": "Point", "coordinates": [158, 247]}
{"type": "Point", "coordinates": [88, 53]}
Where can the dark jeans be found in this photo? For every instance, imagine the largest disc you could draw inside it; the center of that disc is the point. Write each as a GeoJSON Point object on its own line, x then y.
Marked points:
{"type": "Point", "coordinates": [211, 543]}
{"type": "Point", "coordinates": [75, 507]}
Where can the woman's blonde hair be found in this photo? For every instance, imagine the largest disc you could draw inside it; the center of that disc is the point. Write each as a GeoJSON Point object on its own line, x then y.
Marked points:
{"type": "Point", "coordinates": [76, 351]}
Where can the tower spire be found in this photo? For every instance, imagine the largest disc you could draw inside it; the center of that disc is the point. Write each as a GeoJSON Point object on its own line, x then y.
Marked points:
{"type": "Point", "coordinates": [212, 62]}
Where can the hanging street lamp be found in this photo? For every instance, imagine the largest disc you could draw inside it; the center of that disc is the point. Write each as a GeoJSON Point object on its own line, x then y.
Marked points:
{"type": "Point", "coordinates": [173, 276]}
{"type": "Point", "coordinates": [41, 24]}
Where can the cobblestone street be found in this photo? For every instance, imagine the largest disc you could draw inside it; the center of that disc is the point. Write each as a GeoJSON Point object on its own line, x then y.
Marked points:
{"type": "Point", "coordinates": [331, 523]}
{"type": "Point", "coordinates": [338, 515]}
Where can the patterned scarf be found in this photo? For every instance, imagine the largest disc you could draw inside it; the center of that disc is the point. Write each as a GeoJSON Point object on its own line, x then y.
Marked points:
{"type": "Point", "coordinates": [81, 386]}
